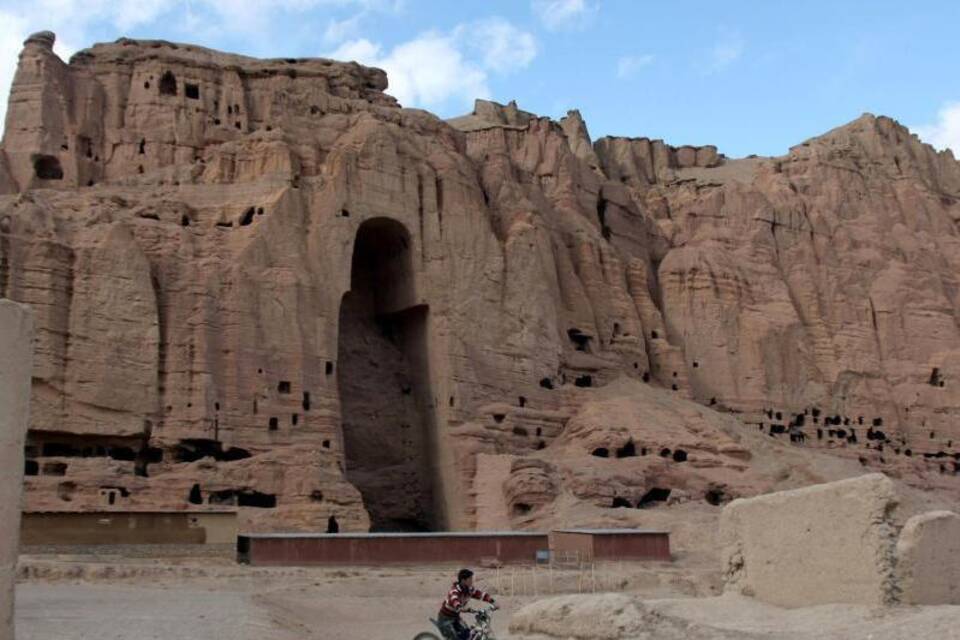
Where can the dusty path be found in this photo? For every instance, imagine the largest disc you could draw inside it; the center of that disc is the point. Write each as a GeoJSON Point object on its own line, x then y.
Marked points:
{"type": "Point", "coordinates": [115, 598]}
{"type": "Point", "coordinates": [124, 612]}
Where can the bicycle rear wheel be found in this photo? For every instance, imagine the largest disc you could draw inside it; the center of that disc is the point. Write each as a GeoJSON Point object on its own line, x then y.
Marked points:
{"type": "Point", "coordinates": [426, 635]}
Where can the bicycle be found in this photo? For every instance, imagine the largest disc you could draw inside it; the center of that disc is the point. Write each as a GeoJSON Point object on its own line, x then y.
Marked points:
{"type": "Point", "coordinates": [481, 630]}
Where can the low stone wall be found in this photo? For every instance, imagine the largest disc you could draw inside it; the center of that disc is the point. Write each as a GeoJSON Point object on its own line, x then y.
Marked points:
{"type": "Point", "coordinates": [16, 361]}
{"type": "Point", "coordinates": [928, 559]}
{"type": "Point", "coordinates": [467, 548]}
{"type": "Point", "coordinates": [840, 542]}
{"type": "Point", "coordinates": [821, 544]}
{"type": "Point", "coordinates": [129, 528]}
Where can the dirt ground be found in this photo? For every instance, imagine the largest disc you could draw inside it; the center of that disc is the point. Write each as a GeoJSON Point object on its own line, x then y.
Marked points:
{"type": "Point", "coordinates": [123, 597]}
{"type": "Point", "coordinates": [110, 596]}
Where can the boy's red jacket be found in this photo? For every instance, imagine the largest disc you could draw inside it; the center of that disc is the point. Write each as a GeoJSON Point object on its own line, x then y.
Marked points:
{"type": "Point", "coordinates": [458, 597]}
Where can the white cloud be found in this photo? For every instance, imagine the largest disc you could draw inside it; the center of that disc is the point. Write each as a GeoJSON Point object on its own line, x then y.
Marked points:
{"type": "Point", "coordinates": [426, 71]}
{"type": "Point", "coordinates": [340, 30]}
{"type": "Point", "coordinates": [728, 49]}
{"type": "Point", "coordinates": [437, 70]}
{"type": "Point", "coordinates": [629, 65]}
{"type": "Point", "coordinates": [504, 48]}
{"type": "Point", "coordinates": [945, 132]}
{"type": "Point", "coordinates": [564, 14]}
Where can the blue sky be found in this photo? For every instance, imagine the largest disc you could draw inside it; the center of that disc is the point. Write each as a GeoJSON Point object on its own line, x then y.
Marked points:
{"type": "Point", "coordinates": [750, 76]}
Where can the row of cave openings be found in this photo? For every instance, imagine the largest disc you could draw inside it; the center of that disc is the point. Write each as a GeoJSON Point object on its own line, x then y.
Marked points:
{"type": "Point", "coordinates": [833, 428]}
{"type": "Point", "coordinates": [285, 388]}
{"type": "Point", "coordinates": [581, 342]}
{"type": "Point", "coordinates": [168, 85]}
{"type": "Point", "coordinates": [714, 496]}
{"type": "Point", "coordinates": [629, 450]}
{"type": "Point", "coordinates": [63, 448]}
{"type": "Point", "coordinates": [48, 167]}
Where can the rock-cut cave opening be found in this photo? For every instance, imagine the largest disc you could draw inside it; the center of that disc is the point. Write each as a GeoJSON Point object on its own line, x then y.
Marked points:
{"type": "Point", "coordinates": [387, 433]}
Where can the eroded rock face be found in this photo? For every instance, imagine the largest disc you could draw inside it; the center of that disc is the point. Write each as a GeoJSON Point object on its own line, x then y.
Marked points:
{"type": "Point", "coordinates": [264, 282]}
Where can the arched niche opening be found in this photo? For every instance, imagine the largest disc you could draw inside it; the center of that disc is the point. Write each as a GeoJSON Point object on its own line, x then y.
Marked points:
{"type": "Point", "coordinates": [383, 379]}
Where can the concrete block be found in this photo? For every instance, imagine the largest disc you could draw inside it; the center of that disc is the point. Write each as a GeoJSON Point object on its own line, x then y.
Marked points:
{"type": "Point", "coordinates": [928, 559]}
{"type": "Point", "coordinates": [829, 543]}
{"type": "Point", "coordinates": [16, 361]}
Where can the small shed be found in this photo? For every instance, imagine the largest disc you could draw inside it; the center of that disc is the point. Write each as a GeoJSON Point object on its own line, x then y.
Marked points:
{"type": "Point", "coordinates": [589, 545]}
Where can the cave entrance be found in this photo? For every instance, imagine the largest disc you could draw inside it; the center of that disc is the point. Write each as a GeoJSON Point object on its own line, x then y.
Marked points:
{"type": "Point", "coordinates": [383, 378]}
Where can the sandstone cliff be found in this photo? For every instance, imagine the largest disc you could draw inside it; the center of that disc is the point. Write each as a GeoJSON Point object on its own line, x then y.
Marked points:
{"type": "Point", "coordinates": [264, 283]}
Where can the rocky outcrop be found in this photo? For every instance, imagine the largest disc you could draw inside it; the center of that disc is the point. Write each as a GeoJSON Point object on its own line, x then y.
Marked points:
{"type": "Point", "coordinates": [263, 282]}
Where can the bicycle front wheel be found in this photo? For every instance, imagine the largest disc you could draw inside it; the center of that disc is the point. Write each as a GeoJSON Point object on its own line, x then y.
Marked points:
{"type": "Point", "coordinates": [426, 635]}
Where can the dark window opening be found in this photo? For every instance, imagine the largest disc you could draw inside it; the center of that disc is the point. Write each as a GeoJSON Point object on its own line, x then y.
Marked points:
{"type": "Point", "coordinates": [619, 502]}
{"type": "Point", "coordinates": [520, 431]}
{"type": "Point", "coordinates": [47, 168]}
{"type": "Point", "coordinates": [140, 169]}
{"type": "Point", "coordinates": [259, 211]}
{"type": "Point", "coordinates": [283, 386]}
{"type": "Point", "coordinates": [580, 340]}
{"type": "Point", "coordinates": [226, 225]}
{"type": "Point", "coordinates": [344, 213]}
{"type": "Point", "coordinates": [146, 84]}
{"type": "Point", "coordinates": [498, 417]}
{"type": "Point", "coordinates": [251, 498]}
{"type": "Point", "coordinates": [55, 469]}
{"type": "Point", "coordinates": [316, 496]}
{"type": "Point", "coordinates": [628, 450]}
{"type": "Point", "coordinates": [713, 401]}
{"type": "Point", "coordinates": [674, 387]}
{"type": "Point", "coordinates": [583, 381]}
{"type": "Point", "coordinates": [664, 453]}
{"type": "Point", "coordinates": [65, 491]}
{"type": "Point", "coordinates": [196, 496]}
{"type": "Point", "coordinates": [521, 508]}
{"type": "Point", "coordinates": [273, 424]}
{"type": "Point", "coordinates": [679, 455]}
{"type": "Point", "coordinates": [332, 525]}
{"type": "Point", "coordinates": [522, 401]}
{"type": "Point", "coordinates": [878, 422]}
{"type": "Point", "coordinates": [31, 468]}
{"type": "Point", "coordinates": [646, 376]}
{"type": "Point", "coordinates": [654, 335]}
{"type": "Point", "coordinates": [143, 146]}
{"type": "Point", "coordinates": [306, 401]}
{"type": "Point", "coordinates": [654, 495]}
{"type": "Point", "coordinates": [546, 383]}
{"type": "Point", "coordinates": [294, 419]}
{"type": "Point", "coordinates": [541, 445]}
{"type": "Point", "coordinates": [326, 444]}
{"type": "Point", "coordinates": [192, 91]}
{"type": "Point", "coordinates": [715, 496]}
{"type": "Point", "coordinates": [168, 84]}
{"type": "Point", "coordinates": [226, 496]}
{"type": "Point", "coordinates": [185, 220]}
{"type": "Point", "coordinates": [237, 125]}
{"type": "Point", "coordinates": [247, 217]}
{"type": "Point", "coordinates": [696, 365]}
{"type": "Point", "coordinates": [601, 452]}
{"type": "Point", "coordinates": [328, 368]}
{"type": "Point", "coordinates": [193, 449]}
